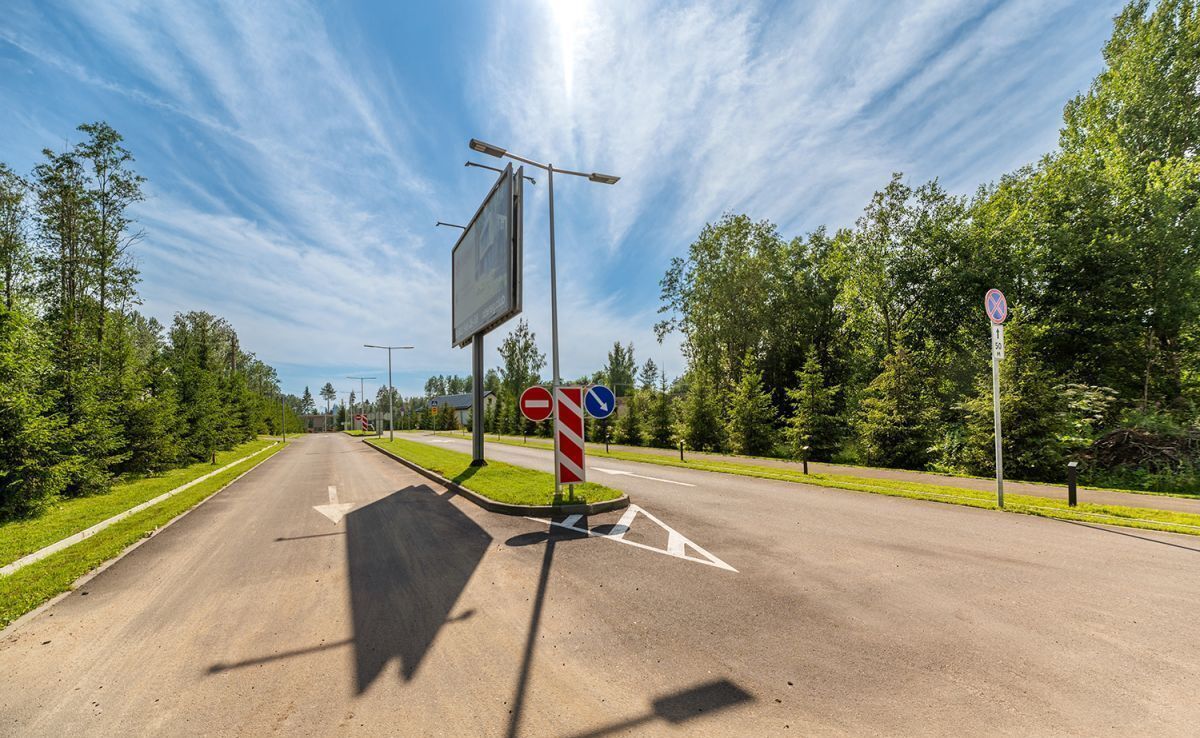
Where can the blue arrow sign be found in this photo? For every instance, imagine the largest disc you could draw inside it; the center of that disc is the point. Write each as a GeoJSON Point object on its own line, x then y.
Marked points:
{"type": "Point", "coordinates": [600, 402]}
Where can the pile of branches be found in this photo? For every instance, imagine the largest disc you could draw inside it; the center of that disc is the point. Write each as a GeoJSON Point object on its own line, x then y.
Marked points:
{"type": "Point", "coordinates": [1140, 448]}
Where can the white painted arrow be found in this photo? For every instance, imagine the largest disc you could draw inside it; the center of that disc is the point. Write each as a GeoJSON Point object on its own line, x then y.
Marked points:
{"type": "Point", "coordinates": [335, 510]}
{"type": "Point", "coordinates": [603, 405]}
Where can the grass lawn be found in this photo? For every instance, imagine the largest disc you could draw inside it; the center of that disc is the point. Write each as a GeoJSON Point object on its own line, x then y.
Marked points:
{"type": "Point", "coordinates": [497, 481]}
{"type": "Point", "coordinates": [69, 516]}
{"type": "Point", "coordinates": [29, 587]}
{"type": "Point", "coordinates": [1132, 517]}
{"type": "Point", "coordinates": [361, 433]}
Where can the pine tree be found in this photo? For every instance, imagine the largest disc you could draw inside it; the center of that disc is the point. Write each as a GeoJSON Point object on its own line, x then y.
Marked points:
{"type": "Point", "coordinates": [629, 424]}
{"type": "Point", "coordinates": [896, 423]}
{"type": "Point", "coordinates": [701, 427]}
{"type": "Point", "coordinates": [812, 423]}
{"type": "Point", "coordinates": [306, 402]}
{"type": "Point", "coordinates": [657, 429]}
{"type": "Point", "coordinates": [751, 418]}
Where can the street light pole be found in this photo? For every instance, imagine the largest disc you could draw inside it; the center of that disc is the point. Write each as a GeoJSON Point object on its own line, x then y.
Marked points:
{"type": "Point", "coordinates": [391, 390]}
{"type": "Point", "coordinates": [549, 169]}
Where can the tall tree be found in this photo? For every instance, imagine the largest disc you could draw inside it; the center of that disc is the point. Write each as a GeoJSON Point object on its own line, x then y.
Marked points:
{"type": "Point", "coordinates": [750, 419]}
{"type": "Point", "coordinates": [15, 257]}
{"type": "Point", "coordinates": [813, 422]}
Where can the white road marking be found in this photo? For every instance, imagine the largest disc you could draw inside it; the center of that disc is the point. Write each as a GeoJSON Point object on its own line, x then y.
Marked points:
{"type": "Point", "coordinates": [677, 543]}
{"type": "Point", "coordinates": [640, 476]}
{"type": "Point", "coordinates": [335, 511]}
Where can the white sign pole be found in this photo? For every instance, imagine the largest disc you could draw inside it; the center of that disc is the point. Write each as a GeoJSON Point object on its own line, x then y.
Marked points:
{"type": "Point", "coordinates": [997, 354]}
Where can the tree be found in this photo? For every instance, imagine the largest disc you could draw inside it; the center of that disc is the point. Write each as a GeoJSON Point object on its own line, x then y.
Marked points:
{"type": "Point", "coordinates": [329, 395]}
{"type": "Point", "coordinates": [620, 369]}
{"type": "Point", "coordinates": [657, 429]}
{"type": "Point", "coordinates": [306, 402]}
{"type": "Point", "coordinates": [750, 419]}
{"type": "Point", "coordinates": [629, 425]}
{"type": "Point", "coordinates": [15, 258]}
{"type": "Point", "coordinates": [813, 422]}
{"type": "Point", "coordinates": [521, 359]}
{"type": "Point", "coordinates": [32, 471]}
{"type": "Point", "coordinates": [896, 422]}
{"type": "Point", "coordinates": [700, 423]}
{"type": "Point", "coordinates": [649, 375]}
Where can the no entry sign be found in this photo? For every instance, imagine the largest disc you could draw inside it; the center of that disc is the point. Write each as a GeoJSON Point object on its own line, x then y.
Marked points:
{"type": "Point", "coordinates": [536, 404]}
{"type": "Point", "coordinates": [996, 306]}
{"type": "Point", "coordinates": [568, 427]}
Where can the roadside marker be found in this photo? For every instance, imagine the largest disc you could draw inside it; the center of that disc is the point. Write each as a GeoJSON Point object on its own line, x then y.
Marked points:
{"type": "Point", "coordinates": [568, 429]}
{"type": "Point", "coordinates": [996, 307]}
{"type": "Point", "coordinates": [600, 401]}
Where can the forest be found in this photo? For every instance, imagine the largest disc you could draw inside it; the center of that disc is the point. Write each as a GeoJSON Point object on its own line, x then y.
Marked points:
{"type": "Point", "coordinates": [869, 344]}
{"type": "Point", "coordinates": [92, 392]}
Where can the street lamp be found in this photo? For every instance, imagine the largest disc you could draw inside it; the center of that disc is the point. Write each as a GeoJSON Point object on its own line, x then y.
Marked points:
{"type": "Point", "coordinates": [495, 169]}
{"type": "Point", "coordinates": [609, 179]}
{"type": "Point", "coordinates": [362, 391]}
{"type": "Point", "coordinates": [452, 225]}
{"type": "Point", "coordinates": [391, 391]}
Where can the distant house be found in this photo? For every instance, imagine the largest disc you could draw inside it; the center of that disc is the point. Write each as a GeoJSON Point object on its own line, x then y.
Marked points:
{"type": "Point", "coordinates": [461, 404]}
{"type": "Point", "coordinates": [317, 423]}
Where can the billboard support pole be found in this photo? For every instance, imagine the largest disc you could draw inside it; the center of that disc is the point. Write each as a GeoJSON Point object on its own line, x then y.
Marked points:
{"type": "Point", "coordinates": [477, 401]}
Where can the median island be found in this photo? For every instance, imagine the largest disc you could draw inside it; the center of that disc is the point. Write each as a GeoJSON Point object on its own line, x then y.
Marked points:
{"type": "Point", "coordinates": [499, 482]}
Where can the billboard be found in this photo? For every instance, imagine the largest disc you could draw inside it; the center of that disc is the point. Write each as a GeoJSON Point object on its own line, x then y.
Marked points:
{"type": "Point", "coordinates": [486, 262]}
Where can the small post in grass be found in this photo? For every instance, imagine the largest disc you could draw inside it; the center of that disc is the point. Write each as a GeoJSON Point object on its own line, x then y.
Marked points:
{"type": "Point", "coordinates": [606, 439]}
{"type": "Point", "coordinates": [681, 449]}
{"type": "Point", "coordinates": [1072, 476]}
{"type": "Point", "coordinates": [804, 458]}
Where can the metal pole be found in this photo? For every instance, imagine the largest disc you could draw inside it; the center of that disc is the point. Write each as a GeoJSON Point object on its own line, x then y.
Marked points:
{"type": "Point", "coordinates": [391, 394]}
{"type": "Point", "coordinates": [362, 399]}
{"type": "Point", "coordinates": [553, 327]}
{"type": "Point", "coordinates": [282, 418]}
{"type": "Point", "coordinates": [1072, 478]}
{"type": "Point", "coordinates": [996, 412]}
{"type": "Point", "coordinates": [477, 401]}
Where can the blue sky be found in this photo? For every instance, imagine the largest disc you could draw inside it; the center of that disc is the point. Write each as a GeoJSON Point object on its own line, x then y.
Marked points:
{"type": "Point", "coordinates": [298, 154]}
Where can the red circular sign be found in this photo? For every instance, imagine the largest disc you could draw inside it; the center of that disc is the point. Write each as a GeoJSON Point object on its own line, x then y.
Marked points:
{"type": "Point", "coordinates": [996, 306]}
{"type": "Point", "coordinates": [536, 404]}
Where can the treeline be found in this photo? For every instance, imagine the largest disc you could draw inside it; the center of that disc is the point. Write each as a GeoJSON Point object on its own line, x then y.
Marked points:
{"type": "Point", "coordinates": [870, 344]}
{"type": "Point", "coordinates": [91, 390]}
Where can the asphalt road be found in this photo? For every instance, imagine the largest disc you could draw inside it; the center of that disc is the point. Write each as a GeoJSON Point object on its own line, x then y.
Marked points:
{"type": "Point", "coordinates": [736, 606]}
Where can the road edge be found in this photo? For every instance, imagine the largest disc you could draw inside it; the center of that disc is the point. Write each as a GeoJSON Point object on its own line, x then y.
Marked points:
{"type": "Point", "coordinates": [9, 630]}
{"type": "Point", "coordinates": [504, 508]}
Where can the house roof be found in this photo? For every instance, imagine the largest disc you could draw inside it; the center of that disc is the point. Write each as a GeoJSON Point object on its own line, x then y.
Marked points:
{"type": "Point", "coordinates": [458, 402]}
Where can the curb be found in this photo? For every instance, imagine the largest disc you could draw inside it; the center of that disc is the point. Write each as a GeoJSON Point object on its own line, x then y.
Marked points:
{"type": "Point", "coordinates": [504, 508]}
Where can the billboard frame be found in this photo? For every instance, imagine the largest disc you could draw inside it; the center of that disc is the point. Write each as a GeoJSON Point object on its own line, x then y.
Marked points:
{"type": "Point", "coordinates": [516, 255]}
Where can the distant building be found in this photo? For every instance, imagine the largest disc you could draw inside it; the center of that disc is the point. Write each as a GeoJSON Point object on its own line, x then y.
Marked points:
{"type": "Point", "coordinates": [317, 422]}
{"type": "Point", "coordinates": [461, 404]}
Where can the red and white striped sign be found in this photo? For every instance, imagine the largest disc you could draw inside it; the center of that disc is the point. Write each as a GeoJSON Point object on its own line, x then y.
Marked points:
{"type": "Point", "coordinates": [362, 421]}
{"type": "Point", "coordinates": [568, 427]}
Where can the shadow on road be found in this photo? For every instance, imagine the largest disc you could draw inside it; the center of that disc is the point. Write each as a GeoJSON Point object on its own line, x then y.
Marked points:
{"type": "Point", "coordinates": [409, 555]}
{"type": "Point", "coordinates": [680, 707]}
{"type": "Point", "coordinates": [1127, 535]}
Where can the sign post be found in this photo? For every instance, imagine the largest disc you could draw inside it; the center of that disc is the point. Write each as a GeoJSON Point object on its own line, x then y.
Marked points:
{"type": "Point", "coordinates": [996, 307]}
{"type": "Point", "coordinates": [568, 436]}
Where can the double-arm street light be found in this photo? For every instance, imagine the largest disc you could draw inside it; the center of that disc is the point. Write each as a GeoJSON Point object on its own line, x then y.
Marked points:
{"type": "Point", "coordinates": [361, 391]}
{"type": "Point", "coordinates": [391, 391]}
{"type": "Point", "coordinates": [550, 170]}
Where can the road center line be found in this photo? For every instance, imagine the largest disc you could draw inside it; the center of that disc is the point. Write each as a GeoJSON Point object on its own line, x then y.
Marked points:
{"type": "Point", "coordinates": [640, 476]}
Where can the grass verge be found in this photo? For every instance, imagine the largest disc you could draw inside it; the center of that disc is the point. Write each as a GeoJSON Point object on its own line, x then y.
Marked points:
{"type": "Point", "coordinates": [1131, 517]}
{"type": "Point", "coordinates": [29, 587]}
{"type": "Point", "coordinates": [497, 481]}
{"type": "Point", "coordinates": [22, 537]}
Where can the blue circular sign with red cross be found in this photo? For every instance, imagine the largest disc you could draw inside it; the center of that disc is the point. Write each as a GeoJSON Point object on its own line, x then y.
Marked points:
{"type": "Point", "coordinates": [996, 306]}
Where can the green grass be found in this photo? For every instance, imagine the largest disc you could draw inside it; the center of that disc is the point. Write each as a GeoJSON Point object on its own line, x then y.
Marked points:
{"type": "Point", "coordinates": [359, 433]}
{"type": "Point", "coordinates": [69, 516]}
{"type": "Point", "coordinates": [29, 587]}
{"type": "Point", "coordinates": [1132, 517]}
{"type": "Point", "coordinates": [497, 481]}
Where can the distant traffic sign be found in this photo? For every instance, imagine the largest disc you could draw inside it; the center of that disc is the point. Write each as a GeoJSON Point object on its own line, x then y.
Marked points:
{"type": "Point", "coordinates": [996, 306]}
{"type": "Point", "coordinates": [536, 403]}
{"type": "Point", "coordinates": [600, 401]}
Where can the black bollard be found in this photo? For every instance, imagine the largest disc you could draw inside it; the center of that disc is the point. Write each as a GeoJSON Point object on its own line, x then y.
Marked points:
{"type": "Point", "coordinates": [681, 450]}
{"type": "Point", "coordinates": [1072, 474]}
{"type": "Point", "coordinates": [804, 458]}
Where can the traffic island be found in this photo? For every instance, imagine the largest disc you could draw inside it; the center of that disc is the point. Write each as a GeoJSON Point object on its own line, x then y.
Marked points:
{"type": "Point", "coordinates": [499, 487]}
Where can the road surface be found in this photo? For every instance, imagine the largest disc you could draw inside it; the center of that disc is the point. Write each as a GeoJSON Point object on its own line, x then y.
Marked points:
{"type": "Point", "coordinates": [736, 606]}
